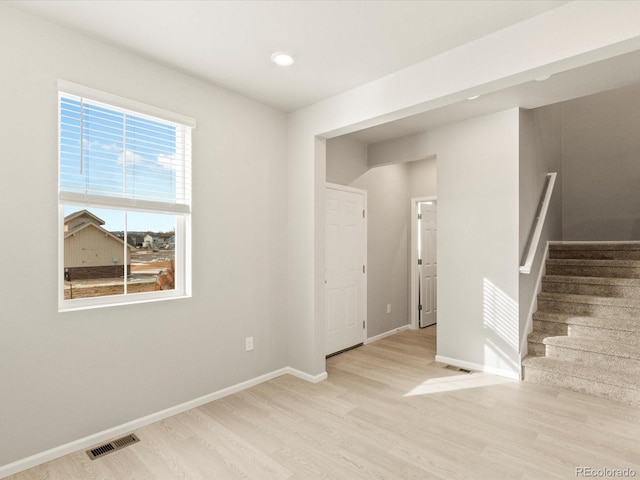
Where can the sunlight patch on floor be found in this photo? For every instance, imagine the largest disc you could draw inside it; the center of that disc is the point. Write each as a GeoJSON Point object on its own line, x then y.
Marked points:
{"type": "Point", "coordinates": [457, 382]}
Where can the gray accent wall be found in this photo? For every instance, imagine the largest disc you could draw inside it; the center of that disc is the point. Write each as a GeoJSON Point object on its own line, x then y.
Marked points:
{"type": "Point", "coordinates": [601, 163]}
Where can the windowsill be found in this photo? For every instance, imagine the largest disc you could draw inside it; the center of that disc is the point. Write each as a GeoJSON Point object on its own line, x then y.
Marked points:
{"type": "Point", "coordinates": [117, 300]}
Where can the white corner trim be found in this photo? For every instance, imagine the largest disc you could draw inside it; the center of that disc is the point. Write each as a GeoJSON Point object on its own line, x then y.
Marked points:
{"type": "Point", "coordinates": [386, 334]}
{"type": "Point", "coordinates": [305, 376]}
{"type": "Point", "coordinates": [502, 372]}
{"type": "Point", "coordinates": [108, 434]}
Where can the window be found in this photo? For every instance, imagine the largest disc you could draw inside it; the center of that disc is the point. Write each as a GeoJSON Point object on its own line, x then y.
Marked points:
{"type": "Point", "coordinates": [124, 200]}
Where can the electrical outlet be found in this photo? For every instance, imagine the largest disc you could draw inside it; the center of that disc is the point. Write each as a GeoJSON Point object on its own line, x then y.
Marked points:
{"type": "Point", "coordinates": [248, 343]}
{"type": "Point", "coordinates": [388, 308]}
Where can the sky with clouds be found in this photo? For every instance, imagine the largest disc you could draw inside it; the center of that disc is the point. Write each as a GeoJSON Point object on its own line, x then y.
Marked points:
{"type": "Point", "coordinates": [115, 154]}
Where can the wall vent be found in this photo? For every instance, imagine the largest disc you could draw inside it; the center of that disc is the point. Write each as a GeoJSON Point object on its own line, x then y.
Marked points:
{"type": "Point", "coordinates": [112, 446]}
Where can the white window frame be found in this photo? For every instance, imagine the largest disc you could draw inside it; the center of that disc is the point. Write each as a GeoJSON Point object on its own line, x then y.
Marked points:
{"type": "Point", "coordinates": [181, 213]}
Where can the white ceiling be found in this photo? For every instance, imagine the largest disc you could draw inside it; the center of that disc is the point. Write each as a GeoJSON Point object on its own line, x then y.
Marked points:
{"type": "Point", "coordinates": [339, 45]}
{"type": "Point", "coordinates": [616, 72]}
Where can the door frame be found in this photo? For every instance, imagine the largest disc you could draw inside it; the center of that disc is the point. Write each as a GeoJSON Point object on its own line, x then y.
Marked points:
{"type": "Point", "coordinates": [413, 316]}
{"type": "Point", "coordinates": [365, 219]}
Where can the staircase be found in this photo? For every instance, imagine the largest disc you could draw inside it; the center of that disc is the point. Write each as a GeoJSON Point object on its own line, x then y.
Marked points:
{"type": "Point", "coordinates": [586, 332]}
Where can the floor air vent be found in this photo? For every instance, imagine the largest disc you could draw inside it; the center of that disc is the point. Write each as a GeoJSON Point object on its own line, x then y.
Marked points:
{"type": "Point", "coordinates": [112, 446]}
{"type": "Point", "coordinates": [457, 369]}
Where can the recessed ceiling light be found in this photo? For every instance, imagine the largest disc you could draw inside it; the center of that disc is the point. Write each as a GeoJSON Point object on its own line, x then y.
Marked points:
{"type": "Point", "coordinates": [282, 59]}
{"type": "Point", "coordinates": [474, 97]}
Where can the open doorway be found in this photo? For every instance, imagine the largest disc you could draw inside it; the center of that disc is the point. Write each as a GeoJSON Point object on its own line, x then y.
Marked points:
{"type": "Point", "coordinates": [424, 262]}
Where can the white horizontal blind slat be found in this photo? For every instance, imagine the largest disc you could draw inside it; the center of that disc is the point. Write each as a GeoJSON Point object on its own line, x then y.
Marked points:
{"type": "Point", "coordinates": [119, 154]}
{"type": "Point", "coordinates": [99, 201]}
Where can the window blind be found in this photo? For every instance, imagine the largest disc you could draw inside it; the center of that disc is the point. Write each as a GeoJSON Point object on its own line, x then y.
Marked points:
{"type": "Point", "coordinates": [112, 156]}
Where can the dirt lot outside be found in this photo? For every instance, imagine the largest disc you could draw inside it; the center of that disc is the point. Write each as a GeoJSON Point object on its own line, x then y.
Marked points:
{"type": "Point", "coordinates": [145, 267]}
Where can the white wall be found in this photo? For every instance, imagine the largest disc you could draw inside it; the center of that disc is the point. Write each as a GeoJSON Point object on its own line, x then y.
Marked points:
{"type": "Point", "coordinates": [478, 242]}
{"type": "Point", "coordinates": [575, 34]}
{"type": "Point", "coordinates": [346, 160]}
{"type": "Point", "coordinates": [600, 156]}
{"type": "Point", "coordinates": [67, 375]}
{"type": "Point", "coordinates": [389, 190]}
{"type": "Point", "coordinates": [423, 177]}
{"type": "Point", "coordinates": [387, 236]}
{"type": "Point", "coordinates": [53, 371]}
{"type": "Point", "coordinates": [478, 233]}
{"type": "Point", "coordinates": [403, 149]}
{"type": "Point", "coordinates": [540, 153]}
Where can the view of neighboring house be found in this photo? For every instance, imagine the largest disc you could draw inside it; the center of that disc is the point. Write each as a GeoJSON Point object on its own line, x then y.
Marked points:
{"type": "Point", "coordinates": [148, 241]}
{"type": "Point", "coordinates": [169, 242]}
{"type": "Point", "coordinates": [90, 251]}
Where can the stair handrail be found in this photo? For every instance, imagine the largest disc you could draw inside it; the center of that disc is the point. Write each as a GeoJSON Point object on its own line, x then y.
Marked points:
{"type": "Point", "coordinates": [539, 223]}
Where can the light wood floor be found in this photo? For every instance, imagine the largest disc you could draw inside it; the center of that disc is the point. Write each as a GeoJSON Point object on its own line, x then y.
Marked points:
{"type": "Point", "coordinates": [387, 411]}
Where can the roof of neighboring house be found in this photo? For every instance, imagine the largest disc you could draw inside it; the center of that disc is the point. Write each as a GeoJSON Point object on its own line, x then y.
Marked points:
{"type": "Point", "coordinates": [75, 230]}
{"type": "Point", "coordinates": [81, 213]}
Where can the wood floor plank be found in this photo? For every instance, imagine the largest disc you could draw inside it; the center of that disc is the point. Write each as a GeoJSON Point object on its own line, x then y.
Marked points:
{"type": "Point", "coordinates": [388, 410]}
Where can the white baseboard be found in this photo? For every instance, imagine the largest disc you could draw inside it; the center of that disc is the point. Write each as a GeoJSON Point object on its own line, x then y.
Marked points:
{"type": "Point", "coordinates": [478, 367]}
{"type": "Point", "coordinates": [386, 334]}
{"type": "Point", "coordinates": [306, 376]}
{"type": "Point", "coordinates": [106, 435]}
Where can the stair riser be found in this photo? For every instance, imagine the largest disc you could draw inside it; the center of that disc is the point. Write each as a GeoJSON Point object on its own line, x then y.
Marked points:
{"type": "Point", "coordinates": [556, 379]}
{"type": "Point", "coordinates": [630, 366]}
{"type": "Point", "coordinates": [589, 289]}
{"type": "Point", "coordinates": [614, 304]}
{"type": "Point", "coordinates": [554, 329]}
{"type": "Point", "coordinates": [605, 334]}
{"type": "Point", "coordinates": [535, 349]}
{"type": "Point", "coordinates": [595, 254]}
{"type": "Point", "coordinates": [585, 309]}
{"type": "Point", "coordinates": [593, 271]}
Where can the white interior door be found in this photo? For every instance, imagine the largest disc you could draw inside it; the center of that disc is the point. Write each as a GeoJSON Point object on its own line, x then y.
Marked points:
{"type": "Point", "coordinates": [345, 269]}
{"type": "Point", "coordinates": [428, 263]}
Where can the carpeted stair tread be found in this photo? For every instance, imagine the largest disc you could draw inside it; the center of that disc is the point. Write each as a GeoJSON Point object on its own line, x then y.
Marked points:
{"type": "Point", "coordinates": [613, 349]}
{"type": "Point", "coordinates": [607, 377]}
{"type": "Point", "coordinates": [598, 286]}
{"type": "Point", "coordinates": [586, 332]}
{"type": "Point", "coordinates": [589, 262]}
{"type": "Point", "coordinates": [619, 282]}
{"type": "Point", "coordinates": [537, 337]}
{"type": "Point", "coordinates": [627, 324]}
{"type": "Point", "coordinates": [535, 345]}
{"type": "Point", "coordinates": [582, 246]}
{"type": "Point", "coordinates": [596, 251]}
{"type": "Point", "coordinates": [589, 299]}
{"type": "Point", "coordinates": [594, 268]}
